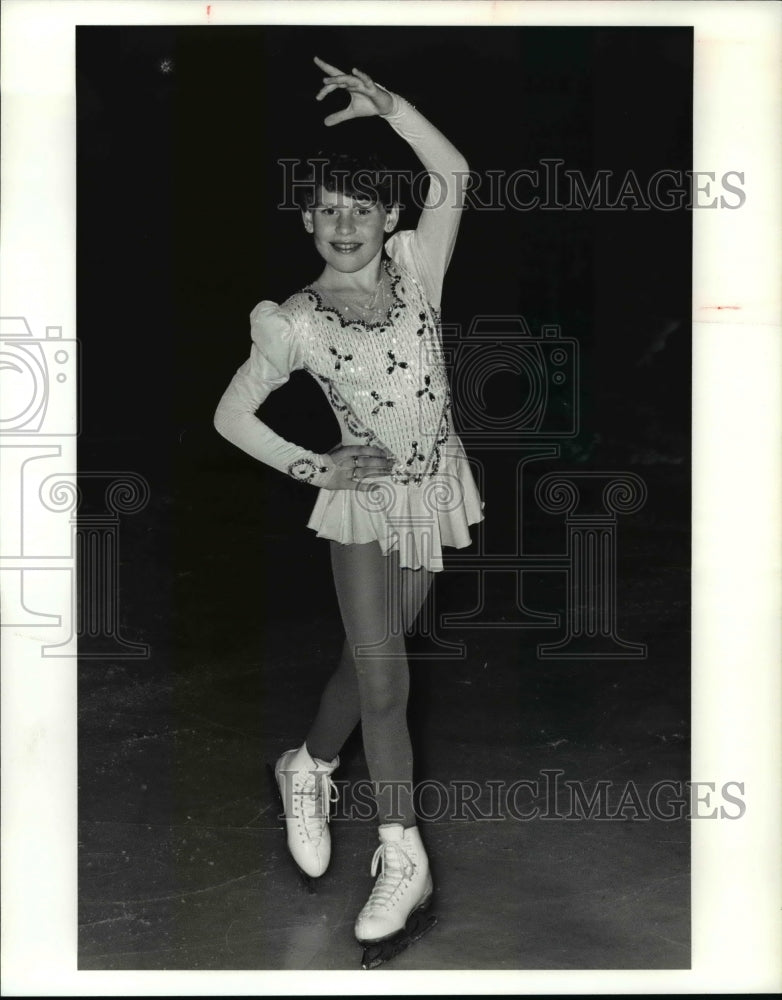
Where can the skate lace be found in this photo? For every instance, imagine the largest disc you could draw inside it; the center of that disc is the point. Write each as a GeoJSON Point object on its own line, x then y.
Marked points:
{"type": "Point", "coordinates": [395, 866]}
{"type": "Point", "coordinates": [318, 792]}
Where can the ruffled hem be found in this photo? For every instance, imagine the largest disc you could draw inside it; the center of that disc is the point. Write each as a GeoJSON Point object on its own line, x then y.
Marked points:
{"type": "Point", "coordinates": [416, 520]}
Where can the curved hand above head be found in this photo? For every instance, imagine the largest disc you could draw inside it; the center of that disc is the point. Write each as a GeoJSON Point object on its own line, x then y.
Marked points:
{"type": "Point", "coordinates": [366, 98]}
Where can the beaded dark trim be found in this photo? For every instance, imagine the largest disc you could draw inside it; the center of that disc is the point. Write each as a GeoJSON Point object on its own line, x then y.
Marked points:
{"type": "Point", "coordinates": [394, 363]}
{"type": "Point", "coordinates": [445, 430]}
{"type": "Point", "coordinates": [415, 454]}
{"type": "Point", "coordinates": [424, 324]}
{"type": "Point", "coordinates": [351, 420]}
{"type": "Point", "coordinates": [305, 463]}
{"type": "Point", "coordinates": [433, 461]}
{"type": "Point", "coordinates": [380, 402]}
{"type": "Point", "coordinates": [426, 390]}
{"type": "Point", "coordinates": [392, 313]}
{"type": "Point", "coordinates": [423, 318]}
{"type": "Point", "coordinates": [340, 358]}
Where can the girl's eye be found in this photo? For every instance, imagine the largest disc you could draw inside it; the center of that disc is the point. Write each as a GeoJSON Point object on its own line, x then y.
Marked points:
{"type": "Point", "coordinates": [363, 211]}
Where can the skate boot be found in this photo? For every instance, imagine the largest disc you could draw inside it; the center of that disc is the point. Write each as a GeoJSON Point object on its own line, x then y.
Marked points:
{"type": "Point", "coordinates": [394, 916]}
{"type": "Point", "coordinates": [307, 791]}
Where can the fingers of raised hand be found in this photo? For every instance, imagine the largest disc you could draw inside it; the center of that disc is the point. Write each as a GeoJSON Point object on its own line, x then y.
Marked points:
{"type": "Point", "coordinates": [334, 72]}
{"type": "Point", "coordinates": [327, 67]}
{"type": "Point", "coordinates": [350, 84]}
{"type": "Point", "coordinates": [325, 90]}
{"type": "Point", "coordinates": [362, 76]}
{"type": "Point", "coordinates": [352, 87]}
{"type": "Point", "coordinates": [338, 116]}
{"type": "Point", "coordinates": [346, 80]}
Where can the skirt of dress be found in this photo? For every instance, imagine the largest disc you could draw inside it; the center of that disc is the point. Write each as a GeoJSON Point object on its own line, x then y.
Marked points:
{"type": "Point", "coordinates": [416, 520]}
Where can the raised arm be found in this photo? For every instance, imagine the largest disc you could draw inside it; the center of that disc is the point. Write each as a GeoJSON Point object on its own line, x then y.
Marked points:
{"type": "Point", "coordinates": [438, 225]}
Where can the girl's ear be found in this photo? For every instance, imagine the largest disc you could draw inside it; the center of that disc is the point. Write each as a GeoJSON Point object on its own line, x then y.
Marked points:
{"type": "Point", "coordinates": [307, 220]}
{"type": "Point", "coordinates": [392, 217]}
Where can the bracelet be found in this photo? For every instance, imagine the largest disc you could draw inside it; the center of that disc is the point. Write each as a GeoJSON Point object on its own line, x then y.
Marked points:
{"type": "Point", "coordinates": [304, 469]}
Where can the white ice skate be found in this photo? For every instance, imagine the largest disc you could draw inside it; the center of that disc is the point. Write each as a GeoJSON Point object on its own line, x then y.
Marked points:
{"type": "Point", "coordinates": [307, 792]}
{"type": "Point", "coordinates": [393, 916]}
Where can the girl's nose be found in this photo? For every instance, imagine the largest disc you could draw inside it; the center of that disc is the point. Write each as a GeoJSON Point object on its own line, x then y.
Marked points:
{"type": "Point", "coordinates": [345, 224]}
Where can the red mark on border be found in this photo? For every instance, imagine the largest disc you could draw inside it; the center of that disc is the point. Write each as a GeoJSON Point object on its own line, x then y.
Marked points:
{"type": "Point", "coordinates": [208, 11]}
{"type": "Point", "coordinates": [720, 307]}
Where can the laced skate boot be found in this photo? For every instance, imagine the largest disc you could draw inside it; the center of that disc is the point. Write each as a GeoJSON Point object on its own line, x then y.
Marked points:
{"type": "Point", "coordinates": [393, 916]}
{"type": "Point", "coordinates": [307, 792]}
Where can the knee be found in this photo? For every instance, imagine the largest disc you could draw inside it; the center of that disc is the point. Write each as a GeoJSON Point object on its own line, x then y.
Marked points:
{"type": "Point", "coordinates": [383, 695]}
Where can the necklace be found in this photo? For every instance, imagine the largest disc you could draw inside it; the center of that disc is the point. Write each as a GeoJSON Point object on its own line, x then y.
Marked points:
{"type": "Point", "coordinates": [370, 310]}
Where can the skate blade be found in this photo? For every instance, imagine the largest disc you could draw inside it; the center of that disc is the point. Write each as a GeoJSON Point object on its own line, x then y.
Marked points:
{"type": "Point", "coordinates": [306, 880]}
{"type": "Point", "coordinates": [380, 952]}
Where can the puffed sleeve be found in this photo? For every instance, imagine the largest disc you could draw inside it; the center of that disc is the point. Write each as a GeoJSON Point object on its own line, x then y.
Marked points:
{"type": "Point", "coordinates": [274, 354]}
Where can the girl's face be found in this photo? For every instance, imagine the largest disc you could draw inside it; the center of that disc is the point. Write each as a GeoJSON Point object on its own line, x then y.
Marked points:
{"type": "Point", "coordinates": [348, 231]}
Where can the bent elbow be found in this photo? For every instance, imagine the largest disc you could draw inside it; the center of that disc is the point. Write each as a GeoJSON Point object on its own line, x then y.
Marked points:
{"type": "Point", "coordinates": [457, 164]}
{"type": "Point", "coordinates": [461, 179]}
{"type": "Point", "coordinates": [222, 421]}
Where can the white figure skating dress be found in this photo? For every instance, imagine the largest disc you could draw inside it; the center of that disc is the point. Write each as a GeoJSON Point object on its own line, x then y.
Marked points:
{"type": "Point", "coordinates": [385, 381]}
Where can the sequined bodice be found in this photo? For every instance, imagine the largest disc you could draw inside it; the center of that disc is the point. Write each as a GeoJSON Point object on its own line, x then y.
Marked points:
{"type": "Point", "coordinates": [385, 381]}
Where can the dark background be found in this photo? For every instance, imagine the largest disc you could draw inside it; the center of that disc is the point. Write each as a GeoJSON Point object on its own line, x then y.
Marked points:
{"type": "Point", "coordinates": [179, 132]}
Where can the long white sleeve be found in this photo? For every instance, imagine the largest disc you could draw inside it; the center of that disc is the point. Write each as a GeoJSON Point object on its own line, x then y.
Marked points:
{"type": "Point", "coordinates": [432, 242]}
{"type": "Point", "coordinates": [273, 356]}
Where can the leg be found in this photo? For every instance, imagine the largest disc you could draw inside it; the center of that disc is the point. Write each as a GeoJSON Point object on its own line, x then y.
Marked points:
{"type": "Point", "coordinates": [393, 916]}
{"type": "Point", "coordinates": [369, 590]}
{"type": "Point", "coordinates": [415, 587]}
{"type": "Point", "coordinates": [379, 602]}
{"type": "Point", "coordinates": [367, 584]}
{"type": "Point", "coordinates": [340, 708]}
{"type": "Point", "coordinates": [339, 711]}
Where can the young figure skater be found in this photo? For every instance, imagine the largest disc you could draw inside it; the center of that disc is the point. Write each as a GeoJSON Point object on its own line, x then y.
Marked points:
{"type": "Point", "coordinates": [395, 490]}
